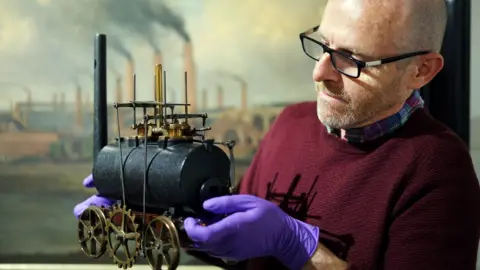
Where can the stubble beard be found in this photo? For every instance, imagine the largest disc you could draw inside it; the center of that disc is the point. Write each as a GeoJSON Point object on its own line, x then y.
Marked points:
{"type": "Point", "coordinates": [355, 113]}
{"type": "Point", "coordinates": [348, 115]}
{"type": "Point", "coordinates": [332, 117]}
{"type": "Point", "coordinates": [338, 117]}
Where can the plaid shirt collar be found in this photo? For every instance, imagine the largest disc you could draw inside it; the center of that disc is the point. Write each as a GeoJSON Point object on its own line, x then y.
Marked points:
{"type": "Point", "coordinates": [385, 126]}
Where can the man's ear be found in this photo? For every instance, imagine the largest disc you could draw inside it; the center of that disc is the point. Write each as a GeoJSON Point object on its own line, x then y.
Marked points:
{"type": "Point", "coordinates": [427, 67]}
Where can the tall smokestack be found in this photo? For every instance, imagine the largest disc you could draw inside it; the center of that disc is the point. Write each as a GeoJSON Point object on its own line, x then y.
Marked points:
{"type": "Point", "coordinates": [118, 98]}
{"type": "Point", "coordinates": [13, 109]}
{"type": "Point", "coordinates": [191, 77]}
{"type": "Point", "coordinates": [244, 96]}
{"type": "Point", "coordinates": [62, 102]}
{"type": "Point", "coordinates": [100, 128]}
{"type": "Point", "coordinates": [16, 111]}
{"type": "Point", "coordinates": [29, 107]}
{"type": "Point", "coordinates": [220, 97]}
{"type": "Point", "coordinates": [129, 81]}
{"type": "Point", "coordinates": [55, 102]}
{"type": "Point", "coordinates": [118, 90]}
{"type": "Point", "coordinates": [78, 108]}
{"type": "Point", "coordinates": [204, 99]}
{"type": "Point", "coordinates": [88, 103]}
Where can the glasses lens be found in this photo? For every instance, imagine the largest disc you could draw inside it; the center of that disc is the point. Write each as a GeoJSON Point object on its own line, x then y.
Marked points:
{"type": "Point", "coordinates": [312, 49]}
{"type": "Point", "coordinates": [345, 64]}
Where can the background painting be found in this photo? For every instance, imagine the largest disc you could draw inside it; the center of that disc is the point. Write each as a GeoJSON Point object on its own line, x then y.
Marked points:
{"type": "Point", "coordinates": [244, 61]}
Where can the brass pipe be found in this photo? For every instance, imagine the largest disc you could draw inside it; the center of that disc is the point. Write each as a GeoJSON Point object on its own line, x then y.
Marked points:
{"type": "Point", "coordinates": [159, 91]}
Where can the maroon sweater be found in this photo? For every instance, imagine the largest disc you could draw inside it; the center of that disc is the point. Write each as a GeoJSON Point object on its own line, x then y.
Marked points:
{"type": "Point", "coordinates": [409, 200]}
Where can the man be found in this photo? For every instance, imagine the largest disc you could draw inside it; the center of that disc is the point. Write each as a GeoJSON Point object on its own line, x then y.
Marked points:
{"type": "Point", "coordinates": [377, 182]}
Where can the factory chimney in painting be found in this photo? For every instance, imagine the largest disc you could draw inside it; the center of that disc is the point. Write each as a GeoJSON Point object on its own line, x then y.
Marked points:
{"type": "Point", "coordinates": [129, 81]}
{"type": "Point", "coordinates": [191, 77]}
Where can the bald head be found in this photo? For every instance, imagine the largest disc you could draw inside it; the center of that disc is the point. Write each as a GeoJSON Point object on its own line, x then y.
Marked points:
{"type": "Point", "coordinates": [427, 22]}
{"type": "Point", "coordinates": [411, 25]}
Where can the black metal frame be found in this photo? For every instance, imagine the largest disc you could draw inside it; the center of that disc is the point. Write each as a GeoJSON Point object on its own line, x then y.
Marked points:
{"type": "Point", "coordinates": [360, 64]}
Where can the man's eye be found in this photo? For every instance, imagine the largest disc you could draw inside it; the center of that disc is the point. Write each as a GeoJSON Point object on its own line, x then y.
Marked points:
{"type": "Point", "coordinates": [346, 53]}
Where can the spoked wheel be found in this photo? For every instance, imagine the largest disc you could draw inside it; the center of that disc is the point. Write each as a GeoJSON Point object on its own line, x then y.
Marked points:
{"type": "Point", "coordinates": [92, 234]}
{"type": "Point", "coordinates": [123, 237]}
{"type": "Point", "coordinates": [162, 244]}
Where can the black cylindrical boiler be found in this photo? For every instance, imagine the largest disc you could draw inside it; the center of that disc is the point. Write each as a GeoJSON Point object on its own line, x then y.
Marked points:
{"type": "Point", "coordinates": [180, 174]}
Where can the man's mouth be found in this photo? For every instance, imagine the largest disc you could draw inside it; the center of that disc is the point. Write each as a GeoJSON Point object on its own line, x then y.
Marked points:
{"type": "Point", "coordinates": [323, 90]}
{"type": "Point", "coordinates": [332, 95]}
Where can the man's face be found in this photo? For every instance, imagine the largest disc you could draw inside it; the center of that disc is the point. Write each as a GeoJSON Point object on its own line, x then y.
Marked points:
{"type": "Point", "coordinates": [344, 102]}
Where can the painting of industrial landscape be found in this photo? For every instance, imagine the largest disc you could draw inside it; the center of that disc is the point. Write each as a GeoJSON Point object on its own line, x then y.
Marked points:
{"type": "Point", "coordinates": [244, 63]}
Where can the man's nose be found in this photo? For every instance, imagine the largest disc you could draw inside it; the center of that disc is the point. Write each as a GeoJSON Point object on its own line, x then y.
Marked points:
{"type": "Point", "coordinates": [324, 70]}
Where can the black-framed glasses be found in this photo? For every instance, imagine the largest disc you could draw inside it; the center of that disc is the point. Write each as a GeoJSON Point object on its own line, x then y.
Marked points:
{"type": "Point", "coordinates": [341, 61]}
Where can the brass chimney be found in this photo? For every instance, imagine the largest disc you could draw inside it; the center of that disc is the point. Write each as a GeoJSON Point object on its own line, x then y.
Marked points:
{"type": "Point", "coordinates": [191, 81]}
{"type": "Point", "coordinates": [220, 97]}
{"type": "Point", "coordinates": [158, 92]}
{"type": "Point", "coordinates": [129, 81]}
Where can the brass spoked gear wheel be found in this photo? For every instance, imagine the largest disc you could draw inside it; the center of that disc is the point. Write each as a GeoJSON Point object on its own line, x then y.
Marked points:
{"type": "Point", "coordinates": [123, 237]}
{"type": "Point", "coordinates": [92, 234]}
{"type": "Point", "coordinates": [162, 244]}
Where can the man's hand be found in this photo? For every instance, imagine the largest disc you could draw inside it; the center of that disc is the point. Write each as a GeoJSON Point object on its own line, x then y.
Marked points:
{"type": "Point", "coordinates": [93, 200]}
{"type": "Point", "coordinates": [253, 228]}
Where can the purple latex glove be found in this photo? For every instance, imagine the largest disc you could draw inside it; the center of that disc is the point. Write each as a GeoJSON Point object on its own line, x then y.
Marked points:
{"type": "Point", "coordinates": [253, 228]}
{"type": "Point", "coordinates": [93, 200]}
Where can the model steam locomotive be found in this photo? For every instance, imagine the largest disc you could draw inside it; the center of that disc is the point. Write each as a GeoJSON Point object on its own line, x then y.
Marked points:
{"type": "Point", "coordinates": [160, 176]}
